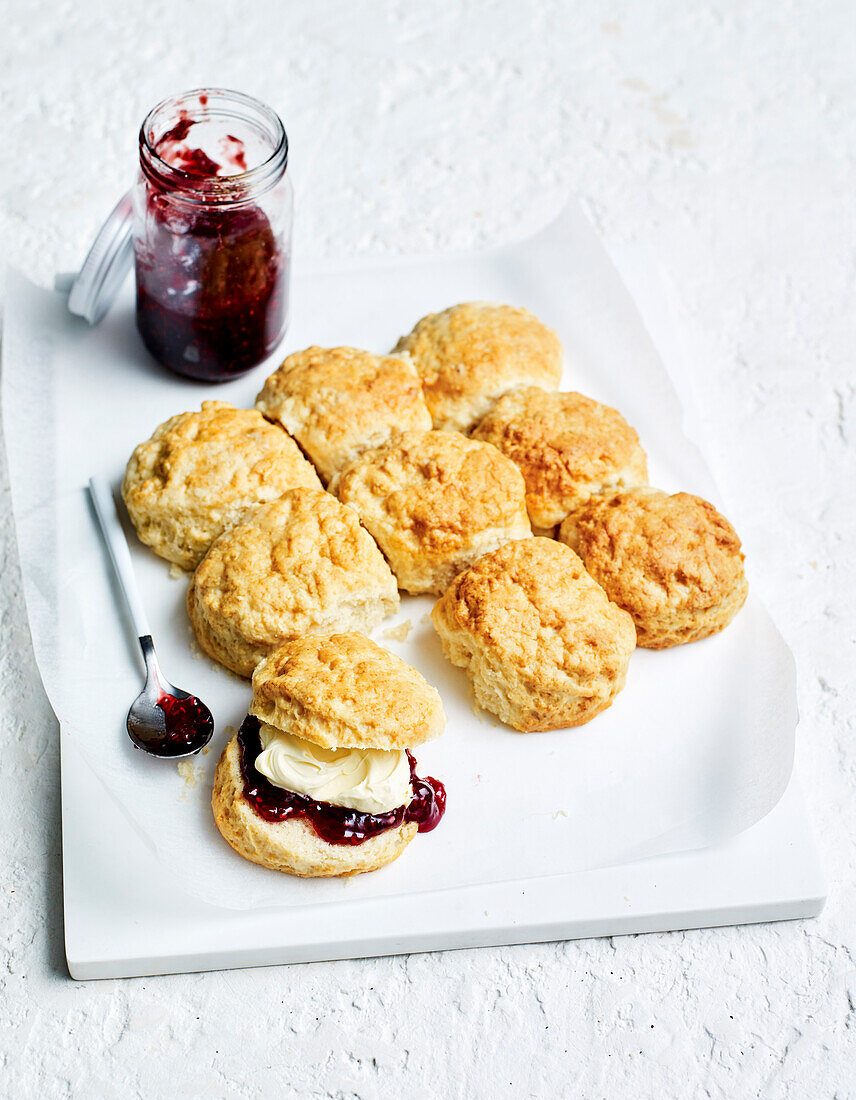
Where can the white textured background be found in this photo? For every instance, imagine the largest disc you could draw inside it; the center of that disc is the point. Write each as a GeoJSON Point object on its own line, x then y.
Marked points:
{"type": "Point", "coordinates": [721, 133]}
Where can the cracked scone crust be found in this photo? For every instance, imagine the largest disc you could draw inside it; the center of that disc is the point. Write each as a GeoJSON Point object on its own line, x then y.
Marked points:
{"type": "Point", "coordinates": [542, 645]}
{"type": "Point", "coordinates": [300, 563]}
{"type": "Point", "coordinates": [434, 502]}
{"type": "Point", "coordinates": [567, 447]}
{"type": "Point", "coordinates": [343, 690]}
{"type": "Point", "coordinates": [292, 846]}
{"type": "Point", "coordinates": [470, 354]}
{"type": "Point", "coordinates": [337, 402]}
{"type": "Point", "coordinates": [200, 470]}
{"type": "Point", "coordinates": [673, 562]}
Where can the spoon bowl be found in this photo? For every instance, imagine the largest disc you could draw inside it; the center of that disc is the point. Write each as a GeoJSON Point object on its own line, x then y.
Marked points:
{"type": "Point", "coordinates": [163, 719]}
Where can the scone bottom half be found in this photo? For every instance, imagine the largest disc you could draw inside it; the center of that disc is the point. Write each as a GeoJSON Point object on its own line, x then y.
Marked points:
{"type": "Point", "coordinates": [296, 830]}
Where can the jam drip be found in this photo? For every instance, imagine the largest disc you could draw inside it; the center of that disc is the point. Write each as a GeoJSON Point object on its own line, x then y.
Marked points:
{"type": "Point", "coordinates": [335, 824]}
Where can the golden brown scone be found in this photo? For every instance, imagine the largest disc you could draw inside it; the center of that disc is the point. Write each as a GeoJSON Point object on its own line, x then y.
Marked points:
{"type": "Point", "coordinates": [343, 691]}
{"type": "Point", "coordinates": [566, 446]}
{"type": "Point", "coordinates": [542, 645]}
{"type": "Point", "coordinates": [673, 562]}
{"type": "Point", "coordinates": [292, 845]}
{"type": "Point", "coordinates": [434, 502]}
{"type": "Point", "coordinates": [200, 470]}
{"type": "Point", "coordinates": [471, 354]}
{"type": "Point", "coordinates": [337, 402]}
{"type": "Point", "coordinates": [300, 563]}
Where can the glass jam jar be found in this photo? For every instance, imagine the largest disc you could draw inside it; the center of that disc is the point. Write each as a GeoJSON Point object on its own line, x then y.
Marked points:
{"type": "Point", "coordinates": [212, 233]}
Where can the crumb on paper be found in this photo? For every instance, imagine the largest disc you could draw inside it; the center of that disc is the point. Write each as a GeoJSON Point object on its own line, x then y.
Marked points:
{"type": "Point", "coordinates": [399, 633]}
{"type": "Point", "coordinates": [190, 774]}
{"type": "Point", "coordinates": [230, 730]}
{"type": "Point", "coordinates": [560, 813]}
{"type": "Point", "coordinates": [176, 572]}
{"type": "Point", "coordinates": [426, 618]}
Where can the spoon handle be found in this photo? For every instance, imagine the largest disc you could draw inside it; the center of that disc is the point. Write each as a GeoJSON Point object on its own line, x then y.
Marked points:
{"type": "Point", "coordinates": [120, 556]}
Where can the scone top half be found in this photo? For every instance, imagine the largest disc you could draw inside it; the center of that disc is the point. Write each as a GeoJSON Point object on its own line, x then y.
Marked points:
{"type": "Point", "coordinates": [344, 691]}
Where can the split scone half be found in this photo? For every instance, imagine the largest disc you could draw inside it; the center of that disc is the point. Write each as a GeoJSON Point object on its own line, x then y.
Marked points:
{"type": "Point", "coordinates": [337, 402]}
{"type": "Point", "coordinates": [542, 645]}
{"type": "Point", "coordinates": [469, 355]}
{"type": "Point", "coordinates": [673, 562]}
{"type": "Point", "coordinates": [434, 502]}
{"type": "Point", "coordinates": [567, 447]}
{"type": "Point", "coordinates": [200, 470]}
{"type": "Point", "coordinates": [320, 780]}
{"type": "Point", "coordinates": [300, 563]}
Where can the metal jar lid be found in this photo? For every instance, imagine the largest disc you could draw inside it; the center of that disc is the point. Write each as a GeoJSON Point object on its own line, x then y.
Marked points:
{"type": "Point", "coordinates": [96, 285]}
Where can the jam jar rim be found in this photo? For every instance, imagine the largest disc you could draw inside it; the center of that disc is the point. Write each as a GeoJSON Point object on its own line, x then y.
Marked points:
{"type": "Point", "coordinates": [215, 190]}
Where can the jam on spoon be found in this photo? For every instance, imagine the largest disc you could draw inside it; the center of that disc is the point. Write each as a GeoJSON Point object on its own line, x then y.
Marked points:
{"type": "Point", "coordinates": [335, 824]}
{"type": "Point", "coordinates": [184, 716]}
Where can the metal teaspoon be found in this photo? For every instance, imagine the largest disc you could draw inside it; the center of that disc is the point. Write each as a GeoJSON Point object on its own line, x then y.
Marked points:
{"type": "Point", "coordinates": [163, 720]}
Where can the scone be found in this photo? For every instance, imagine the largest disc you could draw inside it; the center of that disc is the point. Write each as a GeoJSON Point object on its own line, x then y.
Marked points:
{"type": "Point", "coordinates": [434, 502]}
{"type": "Point", "coordinates": [566, 446]}
{"type": "Point", "coordinates": [300, 563]}
{"type": "Point", "coordinates": [337, 402]}
{"type": "Point", "coordinates": [343, 689]}
{"type": "Point", "coordinates": [673, 562]}
{"type": "Point", "coordinates": [471, 354]}
{"type": "Point", "coordinates": [542, 645]}
{"type": "Point", "coordinates": [319, 780]}
{"type": "Point", "coordinates": [200, 470]}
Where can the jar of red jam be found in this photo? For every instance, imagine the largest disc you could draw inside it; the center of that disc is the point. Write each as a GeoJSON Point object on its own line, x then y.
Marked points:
{"type": "Point", "coordinates": [212, 233]}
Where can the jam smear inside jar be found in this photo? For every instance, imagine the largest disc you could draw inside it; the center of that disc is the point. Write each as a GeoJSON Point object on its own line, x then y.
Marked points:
{"type": "Point", "coordinates": [212, 233]}
{"type": "Point", "coordinates": [335, 824]}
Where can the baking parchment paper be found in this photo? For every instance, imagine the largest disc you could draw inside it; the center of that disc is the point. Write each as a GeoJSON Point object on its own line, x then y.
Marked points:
{"type": "Point", "coordinates": [697, 747]}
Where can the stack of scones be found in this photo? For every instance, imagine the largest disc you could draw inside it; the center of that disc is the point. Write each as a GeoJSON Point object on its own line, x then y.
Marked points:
{"type": "Point", "coordinates": [451, 466]}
